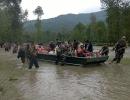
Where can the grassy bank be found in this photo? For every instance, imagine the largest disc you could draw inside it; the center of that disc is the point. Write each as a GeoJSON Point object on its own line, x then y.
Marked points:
{"type": "Point", "coordinates": [126, 61]}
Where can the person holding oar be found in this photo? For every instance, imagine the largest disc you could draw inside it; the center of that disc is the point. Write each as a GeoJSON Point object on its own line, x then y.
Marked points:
{"type": "Point", "coordinates": [119, 50]}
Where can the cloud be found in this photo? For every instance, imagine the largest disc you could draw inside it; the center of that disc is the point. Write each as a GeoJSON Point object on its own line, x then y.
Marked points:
{"type": "Point", "coordinates": [53, 8]}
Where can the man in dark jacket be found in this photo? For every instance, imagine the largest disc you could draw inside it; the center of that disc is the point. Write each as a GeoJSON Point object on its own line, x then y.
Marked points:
{"type": "Point", "coordinates": [33, 57]}
{"type": "Point", "coordinates": [21, 54]}
{"type": "Point", "coordinates": [119, 49]}
{"type": "Point", "coordinates": [90, 47]}
{"type": "Point", "coordinates": [58, 53]}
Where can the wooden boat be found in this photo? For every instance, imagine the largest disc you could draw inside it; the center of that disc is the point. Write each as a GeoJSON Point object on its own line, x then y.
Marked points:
{"type": "Point", "coordinates": [74, 60]}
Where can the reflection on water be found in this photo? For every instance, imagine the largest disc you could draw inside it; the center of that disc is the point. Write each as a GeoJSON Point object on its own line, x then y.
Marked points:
{"type": "Point", "coordinates": [51, 82]}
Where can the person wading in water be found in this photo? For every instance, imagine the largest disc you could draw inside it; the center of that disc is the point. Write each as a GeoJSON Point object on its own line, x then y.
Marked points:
{"type": "Point", "coordinates": [21, 53]}
{"type": "Point", "coordinates": [119, 50]}
{"type": "Point", "coordinates": [58, 54]}
{"type": "Point", "coordinates": [33, 57]}
{"type": "Point", "coordinates": [27, 52]}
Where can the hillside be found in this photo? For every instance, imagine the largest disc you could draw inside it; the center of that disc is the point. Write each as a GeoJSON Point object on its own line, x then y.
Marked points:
{"type": "Point", "coordinates": [64, 22]}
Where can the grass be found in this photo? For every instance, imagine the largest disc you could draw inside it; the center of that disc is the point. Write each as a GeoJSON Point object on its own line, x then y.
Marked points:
{"type": "Point", "coordinates": [126, 61]}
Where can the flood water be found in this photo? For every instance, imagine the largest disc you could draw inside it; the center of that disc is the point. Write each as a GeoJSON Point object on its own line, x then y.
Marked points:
{"type": "Point", "coordinates": [55, 82]}
{"type": "Point", "coordinates": [93, 82]}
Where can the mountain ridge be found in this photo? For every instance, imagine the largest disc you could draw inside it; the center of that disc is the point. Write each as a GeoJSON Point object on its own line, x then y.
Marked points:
{"type": "Point", "coordinates": [63, 23]}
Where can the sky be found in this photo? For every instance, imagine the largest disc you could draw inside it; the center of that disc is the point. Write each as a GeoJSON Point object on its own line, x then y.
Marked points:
{"type": "Point", "coordinates": [54, 8]}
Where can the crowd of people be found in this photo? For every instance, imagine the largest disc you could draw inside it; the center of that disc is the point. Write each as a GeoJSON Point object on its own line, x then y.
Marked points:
{"type": "Point", "coordinates": [28, 52]}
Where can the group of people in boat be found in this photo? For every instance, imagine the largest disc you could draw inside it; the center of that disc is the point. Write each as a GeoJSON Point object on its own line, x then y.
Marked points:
{"type": "Point", "coordinates": [28, 52]}
{"type": "Point", "coordinates": [68, 48]}
{"type": "Point", "coordinates": [74, 48]}
{"type": "Point", "coordinates": [85, 49]}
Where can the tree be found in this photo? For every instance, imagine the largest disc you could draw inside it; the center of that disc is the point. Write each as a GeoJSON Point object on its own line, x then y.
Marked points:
{"type": "Point", "coordinates": [125, 19]}
{"type": "Point", "coordinates": [4, 25]}
{"type": "Point", "coordinates": [93, 18]}
{"type": "Point", "coordinates": [92, 27]}
{"type": "Point", "coordinates": [112, 10]}
{"type": "Point", "coordinates": [78, 32]}
{"type": "Point", "coordinates": [101, 32]}
{"type": "Point", "coordinates": [39, 12]}
{"type": "Point", "coordinates": [14, 12]}
{"type": "Point", "coordinates": [117, 17]}
{"type": "Point", "coordinates": [12, 18]}
{"type": "Point", "coordinates": [24, 16]}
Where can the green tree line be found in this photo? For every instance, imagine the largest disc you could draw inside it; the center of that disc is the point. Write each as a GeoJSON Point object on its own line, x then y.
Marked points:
{"type": "Point", "coordinates": [12, 19]}
{"type": "Point", "coordinates": [118, 15]}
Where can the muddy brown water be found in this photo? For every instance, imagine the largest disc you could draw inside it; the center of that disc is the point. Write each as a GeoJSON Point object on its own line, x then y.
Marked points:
{"type": "Point", "coordinates": [93, 82]}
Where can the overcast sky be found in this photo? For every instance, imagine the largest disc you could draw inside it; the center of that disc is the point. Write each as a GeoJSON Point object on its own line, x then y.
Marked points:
{"type": "Point", "coordinates": [53, 8]}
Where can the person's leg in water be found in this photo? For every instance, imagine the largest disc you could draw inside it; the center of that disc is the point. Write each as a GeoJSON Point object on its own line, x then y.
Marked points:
{"type": "Point", "coordinates": [57, 59]}
{"type": "Point", "coordinates": [63, 60]}
{"type": "Point", "coordinates": [115, 58]}
{"type": "Point", "coordinates": [119, 58]}
{"type": "Point", "coordinates": [28, 59]}
{"type": "Point", "coordinates": [36, 63]}
{"type": "Point", "coordinates": [23, 60]}
{"type": "Point", "coordinates": [31, 63]}
{"type": "Point", "coordinates": [56, 62]}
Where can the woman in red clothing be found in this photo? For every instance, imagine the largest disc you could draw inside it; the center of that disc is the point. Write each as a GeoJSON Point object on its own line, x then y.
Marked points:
{"type": "Point", "coordinates": [81, 51]}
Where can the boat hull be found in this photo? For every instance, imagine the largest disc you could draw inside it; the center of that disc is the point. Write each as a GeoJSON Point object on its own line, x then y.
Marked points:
{"type": "Point", "coordinates": [73, 60]}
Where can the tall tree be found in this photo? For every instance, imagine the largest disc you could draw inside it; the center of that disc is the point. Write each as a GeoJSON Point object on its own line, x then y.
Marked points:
{"type": "Point", "coordinates": [14, 11]}
{"type": "Point", "coordinates": [93, 20]}
{"type": "Point", "coordinates": [101, 32]}
{"type": "Point", "coordinates": [39, 12]}
{"type": "Point", "coordinates": [117, 10]}
{"type": "Point", "coordinates": [4, 25]}
{"type": "Point", "coordinates": [24, 16]}
{"type": "Point", "coordinates": [125, 19]}
{"type": "Point", "coordinates": [78, 32]}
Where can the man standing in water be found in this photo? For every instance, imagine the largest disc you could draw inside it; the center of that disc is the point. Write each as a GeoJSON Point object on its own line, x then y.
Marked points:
{"type": "Point", "coordinates": [21, 53]}
{"type": "Point", "coordinates": [58, 53]}
{"type": "Point", "coordinates": [33, 57]}
{"type": "Point", "coordinates": [119, 49]}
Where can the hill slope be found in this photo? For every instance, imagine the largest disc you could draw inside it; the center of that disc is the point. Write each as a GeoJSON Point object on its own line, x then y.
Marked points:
{"type": "Point", "coordinates": [64, 22]}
